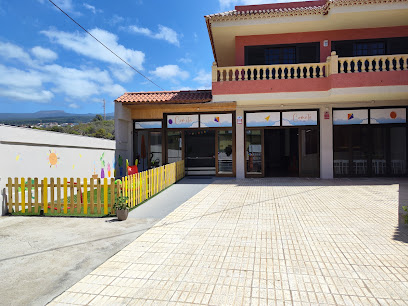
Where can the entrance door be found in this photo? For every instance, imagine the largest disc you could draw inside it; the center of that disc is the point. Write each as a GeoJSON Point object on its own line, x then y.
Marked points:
{"type": "Point", "coordinates": [281, 152]}
{"type": "Point", "coordinates": [309, 152]}
{"type": "Point", "coordinates": [200, 152]}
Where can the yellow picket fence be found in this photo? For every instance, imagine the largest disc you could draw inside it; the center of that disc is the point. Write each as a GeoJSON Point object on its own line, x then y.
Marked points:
{"type": "Point", "coordinates": [83, 197]}
{"type": "Point", "coordinates": [142, 186]}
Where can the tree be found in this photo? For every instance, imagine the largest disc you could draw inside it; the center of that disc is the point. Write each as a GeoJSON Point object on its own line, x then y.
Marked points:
{"type": "Point", "coordinates": [97, 118]}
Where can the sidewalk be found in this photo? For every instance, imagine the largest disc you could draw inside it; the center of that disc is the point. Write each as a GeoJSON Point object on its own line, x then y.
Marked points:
{"type": "Point", "coordinates": [41, 257]}
{"type": "Point", "coordinates": [265, 241]}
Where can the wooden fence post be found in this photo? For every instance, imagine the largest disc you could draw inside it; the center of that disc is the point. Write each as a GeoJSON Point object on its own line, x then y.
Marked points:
{"type": "Point", "coordinates": [92, 195]}
{"type": "Point", "coordinates": [65, 195]}
{"type": "Point", "coordinates": [36, 195]}
{"type": "Point", "coordinates": [45, 195]}
{"type": "Point", "coordinates": [29, 195]}
{"type": "Point", "coordinates": [98, 195]}
{"type": "Point", "coordinates": [105, 196]}
{"type": "Point", "coordinates": [52, 194]}
{"type": "Point", "coordinates": [112, 188]}
{"type": "Point", "coordinates": [85, 196]}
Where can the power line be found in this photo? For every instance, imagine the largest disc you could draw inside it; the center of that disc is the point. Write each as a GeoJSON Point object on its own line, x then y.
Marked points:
{"type": "Point", "coordinates": [106, 46]}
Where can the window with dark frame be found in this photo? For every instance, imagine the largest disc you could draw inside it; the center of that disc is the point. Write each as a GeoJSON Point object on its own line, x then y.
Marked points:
{"type": "Point", "coordinates": [368, 48]}
{"type": "Point", "coordinates": [284, 55]}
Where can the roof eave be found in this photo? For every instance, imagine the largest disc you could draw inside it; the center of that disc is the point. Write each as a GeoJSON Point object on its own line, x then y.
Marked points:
{"type": "Point", "coordinates": [210, 34]}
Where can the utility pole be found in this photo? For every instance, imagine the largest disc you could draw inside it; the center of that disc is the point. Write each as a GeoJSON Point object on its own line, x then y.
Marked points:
{"type": "Point", "coordinates": [104, 109]}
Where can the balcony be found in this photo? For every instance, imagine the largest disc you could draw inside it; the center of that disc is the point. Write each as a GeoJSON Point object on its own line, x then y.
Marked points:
{"type": "Point", "coordinates": [336, 73]}
{"type": "Point", "coordinates": [333, 65]}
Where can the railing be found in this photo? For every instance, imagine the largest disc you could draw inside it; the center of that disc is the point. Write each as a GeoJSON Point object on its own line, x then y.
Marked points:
{"type": "Point", "coordinates": [333, 65]}
{"type": "Point", "coordinates": [373, 63]}
{"type": "Point", "coordinates": [87, 197]}
{"type": "Point", "coordinates": [271, 72]}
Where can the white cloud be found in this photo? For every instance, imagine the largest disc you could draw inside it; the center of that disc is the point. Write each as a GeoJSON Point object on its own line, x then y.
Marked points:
{"type": "Point", "coordinates": [23, 85]}
{"type": "Point", "coordinates": [164, 33]}
{"type": "Point", "coordinates": [27, 94]}
{"type": "Point", "coordinates": [40, 83]}
{"type": "Point", "coordinates": [85, 45]}
{"type": "Point", "coordinates": [73, 105]}
{"type": "Point", "coordinates": [116, 19]}
{"type": "Point", "coordinates": [170, 72]}
{"type": "Point", "coordinates": [44, 54]}
{"type": "Point", "coordinates": [185, 60]}
{"type": "Point", "coordinates": [228, 4]}
{"type": "Point", "coordinates": [122, 73]}
{"type": "Point", "coordinates": [91, 8]}
{"type": "Point", "coordinates": [65, 5]}
{"type": "Point", "coordinates": [13, 77]}
{"type": "Point", "coordinates": [11, 51]}
{"type": "Point", "coordinates": [204, 78]}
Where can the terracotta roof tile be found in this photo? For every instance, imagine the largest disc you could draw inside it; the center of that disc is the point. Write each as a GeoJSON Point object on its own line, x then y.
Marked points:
{"type": "Point", "coordinates": [191, 96]}
{"type": "Point", "coordinates": [315, 7]}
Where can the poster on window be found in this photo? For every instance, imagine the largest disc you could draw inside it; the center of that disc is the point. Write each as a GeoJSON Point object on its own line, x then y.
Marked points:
{"type": "Point", "coordinates": [350, 116]}
{"type": "Point", "coordinates": [299, 118]}
{"type": "Point", "coordinates": [182, 121]}
{"type": "Point", "coordinates": [215, 120]}
{"type": "Point", "coordinates": [262, 119]}
{"type": "Point", "coordinates": [388, 115]}
{"type": "Point", "coordinates": [148, 125]}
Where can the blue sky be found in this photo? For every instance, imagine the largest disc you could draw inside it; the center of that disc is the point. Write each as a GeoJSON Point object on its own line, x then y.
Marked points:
{"type": "Point", "coordinates": [48, 63]}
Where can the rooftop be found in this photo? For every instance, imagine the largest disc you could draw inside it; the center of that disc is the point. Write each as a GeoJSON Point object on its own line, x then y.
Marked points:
{"type": "Point", "coordinates": [170, 97]}
{"type": "Point", "coordinates": [317, 7]}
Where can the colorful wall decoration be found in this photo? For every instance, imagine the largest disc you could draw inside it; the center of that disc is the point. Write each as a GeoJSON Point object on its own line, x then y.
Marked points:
{"type": "Point", "coordinates": [262, 119]}
{"type": "Point", "coordinates": [351, 116]}
{"type": "Point", "coordinates": [388, 115]}
{"type": "Point", "coordinates": [299, 118]}
{"type": "Point", "coordinates": [182, 121]}
{"type": "Point", "coordinates": [148, 125]}
{"type": "Point", "coordinates": [53, 158]}
{"type": "Point", "coordinates": [215, 120]}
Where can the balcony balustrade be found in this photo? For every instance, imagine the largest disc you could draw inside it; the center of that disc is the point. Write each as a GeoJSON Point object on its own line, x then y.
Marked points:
{"type": "Point", "coordinates": [333, 65]}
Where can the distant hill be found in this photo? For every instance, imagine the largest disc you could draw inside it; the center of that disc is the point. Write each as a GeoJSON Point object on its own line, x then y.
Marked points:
{"type": "Point", "coordinates": [47, 116]}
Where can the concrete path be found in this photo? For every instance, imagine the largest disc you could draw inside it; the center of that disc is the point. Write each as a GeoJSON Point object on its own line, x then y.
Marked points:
{"type": "Point", "coordinates": [165, 202]}
{"type": "Point", "coordinates": [42, 257]}
{"type": "Point", "coordinates": [264, 241]}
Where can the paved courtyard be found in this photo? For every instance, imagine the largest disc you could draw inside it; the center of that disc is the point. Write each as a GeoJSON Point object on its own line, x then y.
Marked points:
{"type": "Point", "coordinates": [264, 242]}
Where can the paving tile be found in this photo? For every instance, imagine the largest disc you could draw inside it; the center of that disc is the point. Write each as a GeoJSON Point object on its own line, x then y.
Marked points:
{"type": "Point", "coordinates": [263, 242]}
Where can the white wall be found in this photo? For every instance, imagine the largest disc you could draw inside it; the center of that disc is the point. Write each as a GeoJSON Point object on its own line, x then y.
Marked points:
{"type": "Point", "coordinates": [29, 153]}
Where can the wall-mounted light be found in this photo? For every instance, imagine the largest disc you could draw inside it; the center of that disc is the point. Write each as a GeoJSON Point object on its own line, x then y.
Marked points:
{"type": "Point", "coordinates": [325, 43]}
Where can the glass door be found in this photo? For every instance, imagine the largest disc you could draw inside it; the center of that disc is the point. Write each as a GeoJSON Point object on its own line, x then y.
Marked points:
{"type": "Point", "coordinates": [253, 152]}
{"type": "Point", "coordinates": [309, 152]}
{"type": "Point", "coordinates": [379, 154]}
{"type": "Point", "coordinates": [155, 158]}
{"type": "Point", "coordinates": [200, 152]}
{"type": "Point", "coordinates": [174, 147]}
{"type": "Point", "coordinates": [225, 152]}
{"type": "Point", "coordinates": [398, 150]}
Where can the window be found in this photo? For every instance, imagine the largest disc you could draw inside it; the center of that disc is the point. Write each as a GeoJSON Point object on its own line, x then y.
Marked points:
{"type": "Point", "coordinates": [369, 48]}
{"type": "Point", "coordinates": [280, 56]}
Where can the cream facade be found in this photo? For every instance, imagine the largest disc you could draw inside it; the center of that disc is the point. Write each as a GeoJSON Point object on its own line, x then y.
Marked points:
{"type": "Point", "coordinates": [313, 89]}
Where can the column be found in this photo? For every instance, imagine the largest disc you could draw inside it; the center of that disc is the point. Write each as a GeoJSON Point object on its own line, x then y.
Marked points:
{"type": "Point", "coordinates": [240, 146]}
{"type": "Point", "coordinates": [326, 143]}
{"type": "Point", "coordinates": [124, 137]}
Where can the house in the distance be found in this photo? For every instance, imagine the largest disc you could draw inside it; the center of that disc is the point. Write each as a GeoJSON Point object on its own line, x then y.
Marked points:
{"type": "Point", "coordinates": [315, 89]}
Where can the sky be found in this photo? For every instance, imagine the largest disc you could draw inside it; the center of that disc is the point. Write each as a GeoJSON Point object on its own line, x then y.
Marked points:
{"type": "Point", "coordinates": [48, 63]}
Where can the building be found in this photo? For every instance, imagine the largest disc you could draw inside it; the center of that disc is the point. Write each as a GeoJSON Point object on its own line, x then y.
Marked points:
{"type": "Point", "coordinates": [313, 89]}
